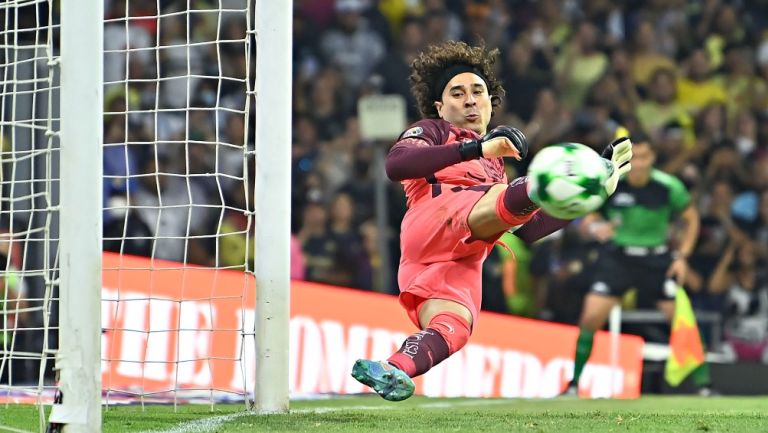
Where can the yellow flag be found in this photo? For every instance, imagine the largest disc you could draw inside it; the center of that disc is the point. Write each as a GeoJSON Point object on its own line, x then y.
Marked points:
{"type": "Point", "coordinates": [686, 351]}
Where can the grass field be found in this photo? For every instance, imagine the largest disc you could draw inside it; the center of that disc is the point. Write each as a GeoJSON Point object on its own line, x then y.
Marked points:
{"type": "Point", "coordinates": [425, 415]}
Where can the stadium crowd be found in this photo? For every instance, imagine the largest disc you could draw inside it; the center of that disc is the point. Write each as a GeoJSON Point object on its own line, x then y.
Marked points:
{"type": "Point", "coordinates": [692, 75]}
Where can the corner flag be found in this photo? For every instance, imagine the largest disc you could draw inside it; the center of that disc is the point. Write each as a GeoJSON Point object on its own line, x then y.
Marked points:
{"type": "Point", "coordinates": [686, 351]}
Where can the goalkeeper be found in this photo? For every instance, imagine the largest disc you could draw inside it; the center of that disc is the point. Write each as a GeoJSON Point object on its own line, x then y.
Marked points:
{"type": "Point", "coordinates": [633, 226]}
{"type": "Point", "coordinates": [459, 204]}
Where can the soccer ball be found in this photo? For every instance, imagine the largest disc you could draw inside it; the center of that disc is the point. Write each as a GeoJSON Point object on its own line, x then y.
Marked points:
{"type": "Point", "coordinates": [567, 180]}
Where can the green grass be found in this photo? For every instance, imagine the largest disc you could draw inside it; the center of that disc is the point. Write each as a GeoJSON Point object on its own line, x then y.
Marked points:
{"type": "Point", "coordinates": [424, 415]}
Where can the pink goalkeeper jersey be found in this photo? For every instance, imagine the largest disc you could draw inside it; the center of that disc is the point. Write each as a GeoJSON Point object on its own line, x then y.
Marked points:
{"type": "Point", "coordinates": [438, 132]}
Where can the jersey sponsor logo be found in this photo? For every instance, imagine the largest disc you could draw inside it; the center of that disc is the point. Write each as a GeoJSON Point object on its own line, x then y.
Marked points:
{"type": "Point", "coordinates": [413, 132]}
{"type": "Point", "coordinates": [623, 199]}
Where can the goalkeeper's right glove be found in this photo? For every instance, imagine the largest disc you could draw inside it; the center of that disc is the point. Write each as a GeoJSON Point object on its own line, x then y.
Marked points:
{"type": "Point", "coordinates": [619, 154]}
{"type": "Point", "coordinates": [473, 149]}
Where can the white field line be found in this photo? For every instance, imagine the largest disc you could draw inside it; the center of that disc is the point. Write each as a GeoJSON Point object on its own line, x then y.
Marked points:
{"type": "Point", "coordinates": [206, 425]}
{"type": "Point", "coordinates": [202, 425]}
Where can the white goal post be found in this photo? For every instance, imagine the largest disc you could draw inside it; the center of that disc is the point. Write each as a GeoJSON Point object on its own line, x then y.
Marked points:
{"type": "Point", "coordinates": [273, 204]}
{"type": "Point", "coordinates": [78, 360]}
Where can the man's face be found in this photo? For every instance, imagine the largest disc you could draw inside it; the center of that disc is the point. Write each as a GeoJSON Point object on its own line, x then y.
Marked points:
{"type": "Point", "coordinates": [466, 103]}
{"type": "Point", "coordinates": [663, 88]}
{"type": "Point", "coordinates": [642, 158]}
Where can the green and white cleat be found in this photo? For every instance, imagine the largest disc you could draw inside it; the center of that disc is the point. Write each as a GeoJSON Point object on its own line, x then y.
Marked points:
{"type": "Point", "coordinates": [388, 381]}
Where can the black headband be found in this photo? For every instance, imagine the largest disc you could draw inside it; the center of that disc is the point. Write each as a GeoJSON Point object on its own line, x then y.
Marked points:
{"type": "Point", "coordinates": [449, 73]}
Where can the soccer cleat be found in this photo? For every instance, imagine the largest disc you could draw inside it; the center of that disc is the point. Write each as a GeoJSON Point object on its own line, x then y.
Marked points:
{"type": "Point", "coordinates": [572, 390]}
{"type": "Point", "coordinates": [388, 381]}
{"type": "Point", "coordinates": [707, 391]}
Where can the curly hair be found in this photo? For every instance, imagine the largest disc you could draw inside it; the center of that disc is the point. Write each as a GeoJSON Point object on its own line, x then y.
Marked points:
{"type": "Point", "coordinates": [428, 66]}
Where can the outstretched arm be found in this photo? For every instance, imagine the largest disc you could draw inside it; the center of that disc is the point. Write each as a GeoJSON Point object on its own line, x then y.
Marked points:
{"type": "Point", "coordinates": [412, 158]}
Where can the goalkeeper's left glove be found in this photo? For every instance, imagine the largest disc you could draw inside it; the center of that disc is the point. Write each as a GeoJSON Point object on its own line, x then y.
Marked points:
{"type": "Point", "coordinates": [619, 153]}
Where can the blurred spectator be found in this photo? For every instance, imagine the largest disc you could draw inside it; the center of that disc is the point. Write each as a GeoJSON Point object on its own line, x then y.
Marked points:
{"type": "Point", "coordinates": [350, 44]}
{"type": "Point", "coordinates": [182, 208]}
{"type": "Point", "coordinates": [485, 23]}
{"type": "Point", "coordinates": [350, 258]}
{"type": "Point", "coordinates": [579, 65]}
{"type": "Point", "coordinates": [393, 70]}
{"type": "Point", "coordinates": [325, 105]}
{"type": "Point", "coordinates": [720, 27]}
{"type": "Point", "coordinates": [360, 186]}
{"type": "Point", "coordinates": [697, 88]}
{"type": "Point", "coordinates": [717, 230]}
{"type": "Point", "coordinates": [549, 121]}
{"type": "Point", "coordinates": [550, 26]}
{"type": "Point", "coordinates": [742, 278]}
{"type": "Point", "coordinates": [745, 90]}
{"type": "Point", "coordinates": [372, 269]}
{"type": "Point", "coordinates": [440, 23]}
{"type": "Point", "coordinates": [317, 244]}
{"type": "Point", "coordinates": [725, 164]}
{"type": "Point", "coordinates": [663, 108]}
{"type": "Point", "coordinates": [523, 79]}
{"type": "Point", "coordinates": [124, 230]}
{"type": "Point", "coordinates": [647, 56]}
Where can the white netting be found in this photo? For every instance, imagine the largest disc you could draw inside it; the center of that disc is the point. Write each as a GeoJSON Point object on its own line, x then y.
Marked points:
{"type": "Point", "coordinates": [178, 200]}
{"type": "Point", "coordinates": [28, 211]}
{"type": "Point", "coordinates": [177, 192]}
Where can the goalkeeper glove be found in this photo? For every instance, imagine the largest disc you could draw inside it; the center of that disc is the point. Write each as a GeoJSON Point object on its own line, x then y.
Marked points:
{"type": "Point", "coordinates": [473, 149]}
{"type": "Point", "coordinates": [618, 154]}
{"type": "Point", "coordinates": [512, 134]}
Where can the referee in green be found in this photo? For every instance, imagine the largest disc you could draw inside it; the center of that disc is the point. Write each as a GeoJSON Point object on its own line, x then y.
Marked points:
{"type": "Point", "coordinates": [633, 227]}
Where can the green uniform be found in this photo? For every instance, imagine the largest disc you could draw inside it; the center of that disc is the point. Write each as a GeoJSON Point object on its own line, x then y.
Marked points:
{"type": "Point", "coordinates": [642, 214]}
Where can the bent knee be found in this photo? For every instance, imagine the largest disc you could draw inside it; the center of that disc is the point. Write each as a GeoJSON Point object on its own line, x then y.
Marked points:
{"type": "Point", "coordinates": [432, 307]}
{"type": "Point", "coordinates": [483, 219]}
{"type": "Point", "coordinates": [593, 322]}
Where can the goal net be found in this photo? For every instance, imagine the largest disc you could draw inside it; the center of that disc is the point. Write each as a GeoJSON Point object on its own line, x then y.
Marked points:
{"type": "Point", "coordinates": [174, 122]}
{"type": "Point", "coordinates": [178, 191]}
{"type": "Point", "coordinates": [29, 197]}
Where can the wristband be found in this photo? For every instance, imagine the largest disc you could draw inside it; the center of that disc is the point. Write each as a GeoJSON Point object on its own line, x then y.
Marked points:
{"type": "Point", "coordinates": [470, 149]}
{"type": "Point", "coordinates": [678, 255]}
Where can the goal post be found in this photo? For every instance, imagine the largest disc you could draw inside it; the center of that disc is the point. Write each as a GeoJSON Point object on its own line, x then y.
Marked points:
{"type": "Point", "coordinates": [272, 200]}
{"type": "Point", "coordinates": [78, 360]}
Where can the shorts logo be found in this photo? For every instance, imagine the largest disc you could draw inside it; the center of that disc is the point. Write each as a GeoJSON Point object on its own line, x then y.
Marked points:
{"type": "Point", "coordinates": [447, 326]}
{"type": "Point", "coordinates": [416, 130]}
{"type": "Point", "coordinates": [670, 289]}
{"type": "Point", "coordinates": [600, 287]}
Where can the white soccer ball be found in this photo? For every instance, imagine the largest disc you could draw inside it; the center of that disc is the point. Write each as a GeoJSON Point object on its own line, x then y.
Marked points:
{"type": "Point", "coordinates": [567, 180]}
